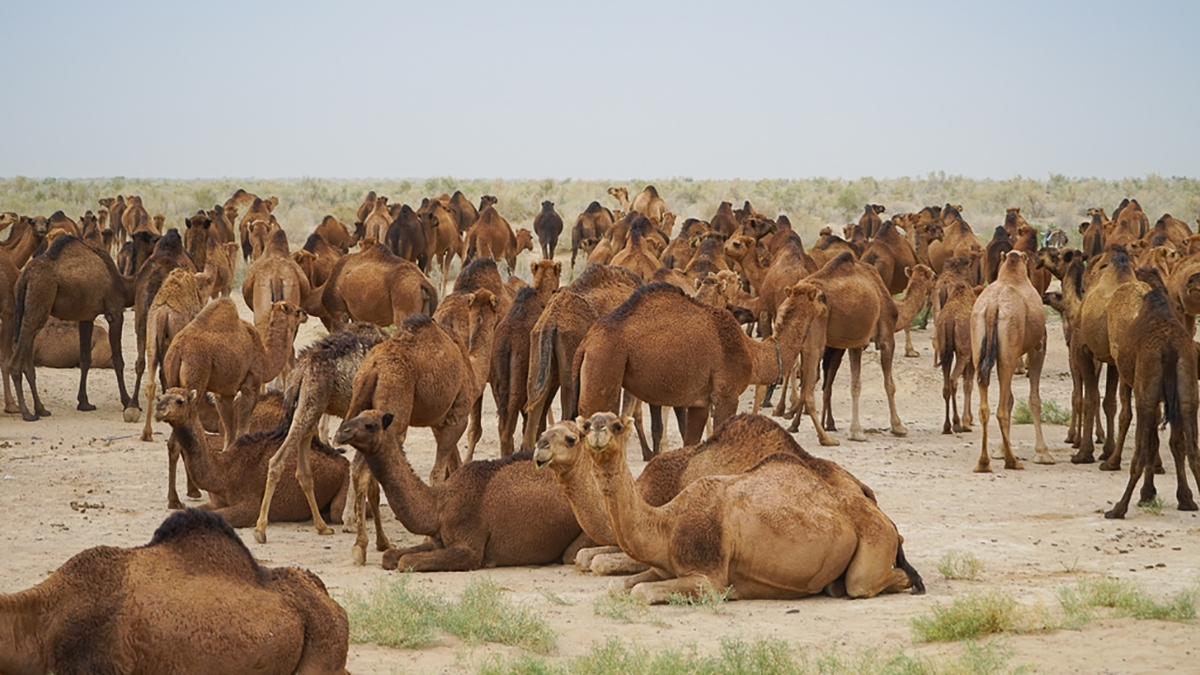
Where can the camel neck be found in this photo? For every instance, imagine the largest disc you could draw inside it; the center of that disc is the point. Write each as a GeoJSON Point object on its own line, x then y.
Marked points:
{"type": "Point", "coordinates": [201, 464]}
{"type": "Point", "coordinates": [770, 357]}
{"type": "Point", "coordinates": [413, 502]}
{"type": "Point", "coordinates": [913, 301]}
{"type": "Point", "coordinates": [587, 502]}
{"type": "Point", "coordinates": [480, 350]}
{"type": "Point", "coordinates": [754, 272]}
{"type": "Point", "coordinates": [277, 345]}
{"type": "Point", "coordinates": [20, 633]}
{"type": "Point", "coordinates": [641, 530]}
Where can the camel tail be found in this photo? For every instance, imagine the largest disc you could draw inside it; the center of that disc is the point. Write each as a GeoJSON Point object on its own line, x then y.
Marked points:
{"type": "Point", "coordinates": [545, 356]}
{"type": "Point", "coordinates": [918, 586]}
{"type": "Point", "coordinates": [430, 294]}
{"type": "Point", "coordinates": [502, 376]}
{"type": "Point", "coordinates": [19, 310]}
{"type": "Point", "coordinates": [276, 290]}
{"type": "Point", "coordinates": [946, 358]}
{"type": "Point", "coordinates": [1170, 385]}
{"type": "Point", "coordinates": [989, 350]}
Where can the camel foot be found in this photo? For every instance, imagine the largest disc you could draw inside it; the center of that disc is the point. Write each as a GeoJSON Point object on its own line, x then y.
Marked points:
{"type": "Point", "coordinates": [1014, 465]}
{"type": "Point", "coordinates": [946, 429]}
{"type": "Point", "coordinates": [857, 436]}
{"type": "Point", "coordinates": [900, 430]}
{"type": "Point", "coordinates": [10, 409]}
{"type": "Point", "coordinates": [912, 353]}
{"type": "Point", "coordinates": [983, 468]}
{"type": "Point", "coordinates": [86, 407]}
{"type": "Point", "coordinates": [146, 437]}
{"type": "Point", "coordinates": [1114, 515]}
{"type": "Point", "coordinates": [391, 559]}
{"type": "Point", "coordinates": [1082, 458]}
{"type": "Point", "coordinates": [360, 554]}
{"type": "Point", "coordinates": [131, 415]}
{"type": "Point", "coordinates": [1043, 457]}
{"type": "Point", "coordinates": [1188, 506]}
{"type": "Point", "coordinates": [1158, 470]}
{"type": "Point", "coordinates": [962, 429]}
{"type": "Point", "coordinates": [323, 531]}
{"type": "Point", "coordinates": [830, 442]}
{"type": "Point", "coordinates": [1109, 465]}
{"type": "Point", "coordinates": [193, 494]}
{"type": "Point", "coordinates": [174, 505]}
{"type": "Point", "coordinates": [260, 536]}
{"type": "Point", "coordinates": [29, 417]}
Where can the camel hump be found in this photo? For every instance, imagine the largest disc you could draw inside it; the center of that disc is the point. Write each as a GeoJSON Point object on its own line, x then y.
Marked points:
{"type": "Point", "coordinates": [479, 273]}
{"type": "Point", "coordinates": [416, 322]}
{"type": "Point", "coordinates": [56, 248]}
{"type": "Point", "coordinates": [643, 295]}
{"type": "Point", "coordinates": [843, 263]}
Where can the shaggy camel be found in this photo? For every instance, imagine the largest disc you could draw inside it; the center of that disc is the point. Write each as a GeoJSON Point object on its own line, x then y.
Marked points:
{"type": "Point", "coordinates": [479, 517]}
{"type": "Point", "coordinates": [952, 346]}
{"type": "Point", "coordinates": [235, 478]}
{"type": "Point", "coordinates": [548, 225]}
{"type": "Point", "coordinates": [321, 384]}
{"type": "Point", "coordinates": [568, 315]}
{"type": "Point", "coordinates": [667, 349]}
{"type": "Point", "coordinates": [735, 447]}
{"type": "Point", "coordinates": [73, 282]}
{"type": "Point", "coordinates": [1158, 358]}
{"type": "Point", "coordinates": [169, 255]}
{"type": "Point", "coordinates": [221, 353]}
{"type": "Point", "coordinates": [176, 303]}
{"type": "Point", "coordinates": [1007, 322]}
{"type": "Point", "coordinates": [729, 532]}
{"type": "Point", "coordinates": [374, 286]}
{"type": "Point", "coordinates": [593, 224]}
{"type": "Point", "coordinates": [860, 311]}
{"type": "Point", "coordinates": [192, 600]}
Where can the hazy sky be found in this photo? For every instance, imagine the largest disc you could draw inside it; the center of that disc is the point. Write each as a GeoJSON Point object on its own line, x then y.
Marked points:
{"type": "Point", "coordinates": [599, 90]}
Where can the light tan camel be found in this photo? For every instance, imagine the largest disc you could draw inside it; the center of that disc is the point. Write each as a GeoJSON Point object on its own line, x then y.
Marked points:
{"type": "Point", "coordinates": [479, 517]}
{"type": "Point", "coordinates": [492, 237]}
{"type": "Point", "coordinates": [745, 534]}
{"type": "Point", "coordinates": [377, 221]}
{"type": "Point", "coordinates": [216, 281]}
{"type": "Point", "coordinates": [258, 209]}
{"type": "Point", "coordinates": [374, 286]}
{"type": "Point", "coordinates": [321, 384]}
{"type": "Point", "coordinates": [57, 346]}
{"type": "Point", "coordinates": [227, 613]}
{"type": "Point", "coordinates": [593, 224]}
{"type": "Point", "coordinates": [73, 282]}
{"type": "Point", "coordinates": [442, 239]}
{"type": "Point", "coordinates": [1007, 322]}
{"type": "Point", "coordinates": [637, 256]}
{"type": "Point", "coordinates": [176, 303]}
{"type": "Point", "coordinates": [221, 353]}
{"type": "Point", "coordinates": [169, 255]}
{"type": "Point", "coordinates": [952, 347]}
{"type": "Point", "coordinates": [274, 276]}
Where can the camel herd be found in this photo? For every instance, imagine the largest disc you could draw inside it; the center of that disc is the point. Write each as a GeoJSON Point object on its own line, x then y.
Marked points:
{"type": "Point", "coordinates": [685, 316]}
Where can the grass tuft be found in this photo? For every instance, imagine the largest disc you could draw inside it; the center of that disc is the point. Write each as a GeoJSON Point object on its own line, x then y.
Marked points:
{"type": "Point", "coordinates": [976, 615]}
{"type": "Point", "coordinates": [554, 598]}
{"type": "Point", "coordinates": [623, 607]}
{"type": "Point", "coordinates": [1124, 599]}
{"type": "Point", "coordinates": [708, 598]}
{"type": "Point", "coordinates": [960, 565]}
{"type": "Point", "coordinates": [1051, 413]}
{"type": "Point", "coordinates": [395, 614]}
{"type": "Point", "coordinates": [1154, 507]}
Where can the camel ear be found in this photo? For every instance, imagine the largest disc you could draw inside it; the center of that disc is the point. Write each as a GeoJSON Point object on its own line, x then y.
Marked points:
{"type": "Point", "coordinates": [387, 419]}
{"type": "Point", "coordinates": [192, 395]}
{"type": "Point", "coordinates": [907, 271]}
{"type": "Point", "coordinates": [696, 284]}
{"type": "Point", "coordinates": [627, 422]}
{"type": "Point", "coordinates": [789, 290]}
{"type": "Point", "coordinates": [583, 423]}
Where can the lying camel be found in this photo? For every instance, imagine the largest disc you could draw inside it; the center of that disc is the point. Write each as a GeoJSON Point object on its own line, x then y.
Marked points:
{"type": "Point", "coordinates": [57, 346]}
{"type": "Point", "coordinates": [735, 447]}
{"type": "Point", "coordinates": [778, 530]}
{"type": "Point", "coordinates": [480, 517]}
{"type": "Point", "coordinates": [192, 600]}
{"type": "Point", "coordinates": [235, 478]}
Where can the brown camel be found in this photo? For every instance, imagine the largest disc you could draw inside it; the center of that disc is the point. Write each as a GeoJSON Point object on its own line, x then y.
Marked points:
{"type": "Point", "coordinates": [735, 447]}
{"type": "Point", "coordinates": [598, 290]}
{"type": "Point", "coordinates": [464, 212]}
{"type": "Point", "coordinates": [442, 239]}
{"type": "Point", "coordinates": [116, 210]}
{"type": "Point", "coordinates": [221, 227]}
{"type": "Point", "coordinates": [593, 224]}
{"type": "Point", "coordinates": [1158, 357]}
{"type": "Point", "coordinates": [728, 532]}
{"type": "Point", "coordinates": [952, 346]}
{"type": "Point", "coordinates": [235, 478]}
{"type": "Point", "coordinates": [317, 259]}
{"type": "Point", "coordinates": [1068, 266]}
{"type": "Point", "coordinates": [860, 311]}
{"type": "Point", "coordinates": [227, 613]}
{"type": "Point", "coordinates": [492, 237]}
{"type": "Point", "coordinates": [169, 254]}
{"type": "Point", "coordinates": [216, 281]}
{"type": "Point", "coordinates": [176, 303]}
{"type": "Point", "coordinates": [258, 209]}
{"type": "Point", "coordinates": [321, 384]}
{"type": "Point", "coordinates": [637, 256]}
{"type": "Point", "coordinates": [221, 353]}
{"type": "Point", "coordinates": [788, 266]}
{"type": "Point", "coordinates": [406, 237]}
{"type": "Point", "coordinates": [892, 256]}
{"type": "Point", "coordinates": [478, 518]}
{"type": "Point", "coordinates": [377, 221]}
{"type": "Point", "coordinates": [195, 238]}
{"type": "Point", "coordinates": [365, 208]}
{"type": "Point", "coordinates": [25, 239]}
{"type": "Point", "coordinates": [374, 286]}
{"type": "Point", "coordinates": [135, 218]}
{"type": "Point", "coordinates": [337, 235]}
{"type": "Point", "coordinates": [73, 282]}
{"type": "Point", "coordinates": [548, 225]}
{"type": "Point", "coordinates": [667, 349]}
{"type": "Point", "coordinates": [8, 305]}
{"type": "Point", "coordinates": [1007, 322]}
{"type": "Point", "coordinates": [274, 276]}
{"type": "Point", "coordinates": [57, 346]}
{"type": "Point", "coordinates": [869, 221]}
{"type": "Point", "coordinates": [958, 239]}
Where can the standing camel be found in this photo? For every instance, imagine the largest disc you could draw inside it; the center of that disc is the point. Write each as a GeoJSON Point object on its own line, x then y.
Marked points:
{"type": "Point", "coordinates": [1007, 323]}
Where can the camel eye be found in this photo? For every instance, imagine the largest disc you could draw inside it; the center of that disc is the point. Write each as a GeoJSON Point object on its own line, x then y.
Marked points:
{"type": "Point", "coordinates": [617, 428]}
{"type": "Point", "coordinates": [571, 440]}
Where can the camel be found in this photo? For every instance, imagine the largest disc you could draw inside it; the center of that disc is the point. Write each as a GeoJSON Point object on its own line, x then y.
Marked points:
{"type": "Point", "coordinates": [406, 237]}
{"type": "Point", "coordinates": [216, 281]}
{"type": "Point", "coordinates": [667, 349]}
{"type": "Point", "coordinates": [478, 518]}
{"type": "Point", "coordinates": [958, 239]}
{"type": "Point", "coordinates": [374, 286]}
{"type": "Point", "coordinates": [1007, 322]}
{"type": "Point", "coordinates": [723, 221]}
{"type": "Point", "coordinates": [321, 384]}
{"type": "Point", "coordinates": [195, 238]}
{"type": "Point", "coordinates": [259, 209]}
{"type": "Point", "coordinates": [788, 266]}
{"type": "Point", "coordinates": [492, 237]}
{"type": "Point", "coordinates": [317, 259]}
{"type": "Point", "coordinates": [442, 239]}
{"type": "Point", "coordinates": [464, 212]}
{"type": "Point", "coordinates": [116, 210]}
{"type": "Point", "coordinates": [221, 353]}
{"type": "Point", "coordinates": [860, 311]}
{"type": "Point", "coordinates": [593, 224]}
{"type": "Point", "coordinates": [952, 346]}
{"type": "Point", "coordinates": [365, 208]}
{"type": "Point", "coordinates": [8, 305]}
{"type": "Point", "coordinates": [274, 276]}
{"type": "Point", "coordinates": [548, 225]}
{"type": "Point", "coordinates": [598, 290]}
{"type": "Point", "coordinates": [636, 255]}
{"type": "Point", "coordinates": [892, 256]}
{"type": "Point", "coordinates": [1184, 285]}
{"type": "Point", "coordinates": [337, 235]}
{"type": "Point", "coordinates": [57, 346]}
{"type": "Point", "coordinates": [282, 620]}
{"type": "Point", "coordinates": [136, 252]}
{"type": "Point", "coordinates": [601, 252]}
{"type": "Point", "coordinates": [221, 227]}
{"type": "Point", "coordinates": [235, 478]}
{"type": "Point", "coordinates": [735, 447]}
{"type": "Point", "coordinates": [1158, 358]}
{"type": "Point", "coordinates": [25, 239]}
{"type": "Point", "coordinates": [175, 304]}
{"type": "Point", "coordinates": [169, 254]}
{"type": "Point", "coordinates": [721, 536]}
{"type": "Point", "coordinates": [135, 218]}
{"type": "Point", "coordinates": [259, 232]}
{"type": "Point", "coordinates": [377, 221]}
{"type": "Point", "coordinates": [1068, 266]}
{"type": "Point", "coordinates": [869, 221]}
{"type": "Point", "coordinates": [73, 282]}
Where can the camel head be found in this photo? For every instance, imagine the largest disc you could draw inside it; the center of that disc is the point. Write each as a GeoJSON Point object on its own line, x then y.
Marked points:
{"type": "Point", "coordinates": [934, 232]}
{"type": "Point", "coordinates": [524, 240]}
{"type": "Point", "coordinates": [739, 247]}
{"type": "Point", "coordinates": [271, 203]}
{"type": "Point", "coordinates": [546, 274]}
{"type": "Point", "coordinates": [558, 447]}
{"type": "Point", "coordinates": [1137, 248]}
{"type": "Point", "coordinates": [804, 301]}
{"type": "Point", "coordinates": [486, 201]}
{"type": "Point", "coordinates": [920, 272]}
{"type": "Point", "coordinates": [605, 434]}
{"type": "Point", "coordinates": [620, 194]}
{"type": "Point", "coordinates": [710, 290]}
{"type": "Point", "coordinates": [1048, 258]}
{"type": "Point", "coordinates": [668, 222]}
{"type": "Point", "coordinates": [305, 260]}
{"type": "Point", "coordinates": [1015, 263]}
{"type": "Point", "coordinates": [364, 432]}
{"type": "Point", "coordinates": [39, 225]}
{"type": "Point", "coordinates": [7, 219]}
{"type": "Point", "coordinates": [878, 208]}
{"type": "Point", "coordinates": [55, 234]}
{"type": "Point", "coordinates": [285, 310]}
{"type": "Point", "coordinates": [159, 219]}
{"type": "Point", "coordinates": [547, 205]}
{"type": "Point", "coordinates": [175, 405]}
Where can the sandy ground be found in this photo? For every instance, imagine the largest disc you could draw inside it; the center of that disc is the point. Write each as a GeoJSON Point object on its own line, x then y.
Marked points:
{"type": "Point", "coordinates": [1035, 530]}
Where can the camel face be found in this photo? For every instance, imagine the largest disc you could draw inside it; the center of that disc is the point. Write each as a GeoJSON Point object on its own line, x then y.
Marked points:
{"type": "Point", "coordinates": [558, 445]}
{"type": "Point", "coordinates": [602, 429]}
{"type": "Point", "coordinates": [173, 405]}
{"type": "Point", "coordinates": [360, 432]}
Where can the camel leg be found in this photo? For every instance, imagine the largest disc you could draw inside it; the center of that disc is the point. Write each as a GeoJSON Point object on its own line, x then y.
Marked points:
{"type": "Point", "coordinates": [697, 416]}
{"type": "Point", "coordinates": [228, 428]}
{"type": "Point", "coordinates": [657, 430]}
{"type": "Point", "coordinates": [584, 556]}
{"type": "Point", "coordinates": [760, 398]}
{"type": "Point", "coordinates": [1110, 410]}
{"type": "Point", "coordinates": [474, 427]}
{"type": "Point", "coordinates": [458, 558]}
{"type": "Point", "coordinates": [1145, 435]}
{"type": "Point", "coordinates": [789, 383]}
{"type": "Point", "coordinates": [1090, 376]}
{"type": "Point", "coordinates": [872, 570]}
{"type": "Point", "coordinates": [1113, 461]}
{"type": "Point", "coordinates": [349, 517]}
{"type": "Point", "coordinates": [115, 325]}
{"type": "Point", "coordinates": [173, 454]}
{"type": "Point", "coordinates": [968, 382]}
{"type": "Point", "coordinates": [631, 406]}
{"type": "Point", "coordinates": [381, 538]}
{"type": "Point", "coordinates": [1179, 450]}
{"type": "Point", "coordinates": [448, 459]}
{"type": "Point", "coordinates": [856, 430]}
{"type": "Point", "coordinates": [618, 563]}
{"type": "Point", "coordinates": [659, 592]}
{"type": "Point", "coordinates": [1004, 416]}
{"type": "Point", "coordinates": [243, 408]}
{"type": "Point", "coordinates": [581, 542]}
{"type": "Point", "coordinates": [1073, 431]}
{"type": "Point", "coordinates": [831, 361]}
{"type": "Point", "coordinates": [808, 380]}
{"type": "Point", "coordinates": [909, 351]}
{"type": "Point", "coordinates": [6, 343]}
{"type": "Point", "coordinates": [1036, 358]}
{"type": "Point", "coordinates": [85, 364]}
{"type": "Point", "coordinates": [360, 475]}
{"type": "Point", "coordinates": [984, 465]}
{"type": "Point", "coordinates": [887, 350]}
{"type": "Point", "coordinates": [948, 391]}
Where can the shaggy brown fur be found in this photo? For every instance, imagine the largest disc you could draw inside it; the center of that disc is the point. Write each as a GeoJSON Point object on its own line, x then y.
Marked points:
{"type": "Point", "coordinates": [103, 611]}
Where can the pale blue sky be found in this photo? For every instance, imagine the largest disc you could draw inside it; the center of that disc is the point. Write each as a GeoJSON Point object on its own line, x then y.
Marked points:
{"type": "Point", "coordinates": [599, 90]}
